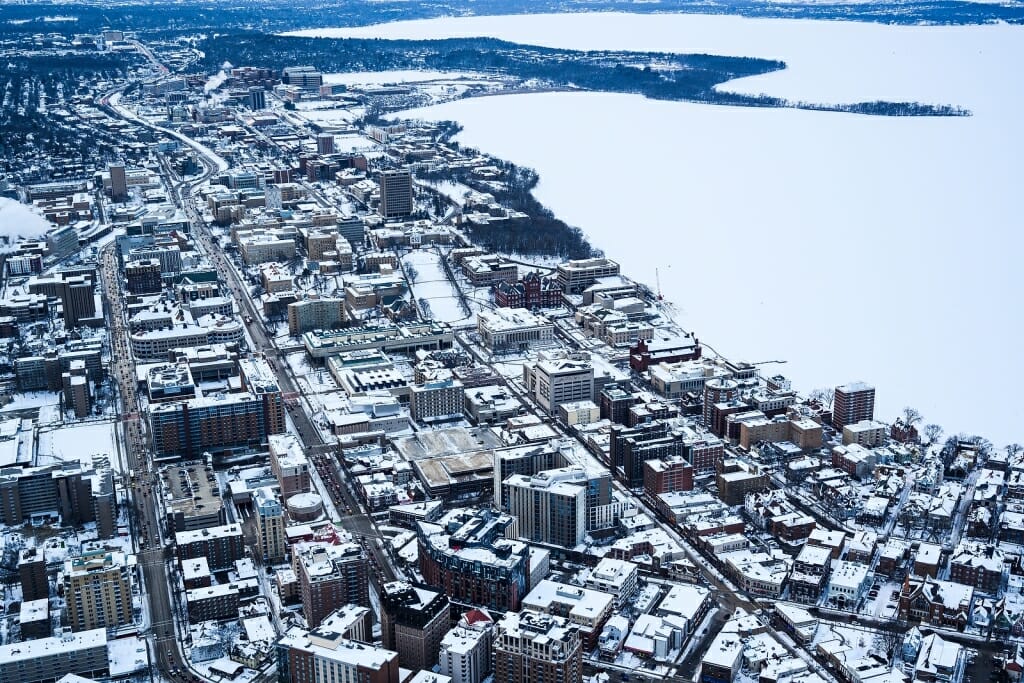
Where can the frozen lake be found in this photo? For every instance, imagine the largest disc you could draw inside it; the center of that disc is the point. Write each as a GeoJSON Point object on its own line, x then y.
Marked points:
{"type": "Point", "coordinates": [855, 247]}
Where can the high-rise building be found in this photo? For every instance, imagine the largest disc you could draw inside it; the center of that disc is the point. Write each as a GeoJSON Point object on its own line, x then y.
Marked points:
{"type": "Point", "coordinates": [75, 387]}
{"type": "Point", "coordinates": [75, 293]}
{"type": "Point", "coordinates": [413, 621]}
{"type": "Point", "coordinates": [289, 464]}
{"type": "Point", "coordinates": [118, 183]}
{"type": "Point", "coordinates": [98, 590]}
{"type": "Point", "coordinates": [718, 391]}
{"type": "Point", "coordinates": [325, 313]}
{"type": "Point", "coordinates": [325, 143]}
{"type": "Point", "coordinates": [35, 584]}
{"type": "Point", "coordinates": [472, 557]}
{"type": "Point", "coordinates": [257, 98]}
{"type": "Point", "coordinates": [395, 193]}
{"type": "Point", "coordinates": [465, 653]}
{"type": "Point", "coordinates": [269, 524]}
{"type": "Point", "coordinates": [853, 403]}
{"type": "Point", "coordinates": [550, 506]}
{"type": "Point", "coordinates": [532, 646]}
{"type": "Point", "coordinates": [144, 276]}
{"type": "Point", "coordinates": [330, 576]}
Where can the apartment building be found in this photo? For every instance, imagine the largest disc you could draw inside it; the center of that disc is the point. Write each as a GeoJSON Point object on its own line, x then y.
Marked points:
{"type": "Point", "coordinates": [551, 506]}
{"type": "Point", "coordinates": [270, 524]}
{"type": "Point", "coordinates": [852, 403]}
{"type": "Point", "coordinates": [221, 545]}
{"type": "Point", "coordinates": [289, 464]}
{"type": "Point", "coordinates": [97, 587]}
{"type": "Point", "coordinates": [413, 621]}
{"type": "Point", "coordinates": [532, 646]}
{"type": "Point", "coordinates": [330, 576]}
{"type": "Point", "coordinates": [396, 199]}
{"type": "Point", "coordinates": [325, 313]}
{"type": "Point", "coordinates": [50, 659]}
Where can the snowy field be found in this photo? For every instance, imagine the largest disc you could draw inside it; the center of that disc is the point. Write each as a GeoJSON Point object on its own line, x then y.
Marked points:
{"type": "Point", "coordinates": [854, 247]}
{"type": "Point", "coordinates": [431, 284]}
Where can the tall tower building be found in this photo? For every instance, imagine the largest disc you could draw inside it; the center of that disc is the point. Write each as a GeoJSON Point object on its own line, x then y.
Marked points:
{"type": "Point", "coordinates": [413, 621]}
{"type": "Point", "coordinates": [35, 585]}
{"type": "Point", "coordinates": [98, 591]}
{"type": "Point", "coordinates": [466, 649]}
{"type": "Point", "coordinates": [257, 98]}
{"type": "Point", "coordinates": [853, 402]}
{"type": "Point", "coordinates": [532, 646]}
{"type": "Point", "coordinates": [551, 506]}
{"type": "Point", "coordinates": [118, 183]}
{"type": "Point", "coordinates": [270, 524]}
{"type": "Point", "coordinates": [717, 391]}
{"type": "Point", "coordinates": [395, 193]}
{"type": "Point", "coordinates": [325, 143]}
{"type": "Point", "coordinates": [330, 576]}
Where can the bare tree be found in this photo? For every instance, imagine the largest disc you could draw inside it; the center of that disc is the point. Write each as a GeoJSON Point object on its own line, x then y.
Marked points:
{"type": "Point", "coordinates": [1013, 449]}
{"type": "Point", "coordinates": [888, 643]}
{"type": "Point", "coordinates": [822, 396]}
{"type": "Point", "coordinates": [911, 416]}
{"type": "Point", "coordinates": [932, 433]}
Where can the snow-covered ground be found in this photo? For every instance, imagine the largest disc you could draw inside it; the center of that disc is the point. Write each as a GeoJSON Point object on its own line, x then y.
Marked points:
{"type": "Point", "coordinates": [431, 284]}
{"type": "Point", "coordinates": [854, 247]}
{"type": "Point", "coordinates": [397, 76]}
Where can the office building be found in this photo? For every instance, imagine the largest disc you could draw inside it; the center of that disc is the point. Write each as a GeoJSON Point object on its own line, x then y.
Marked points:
{"type": "Point", "coordinates": [75, 293]}
{"type": "Point", "coordinates": [330, 576]}
{"type": "Point", "coordinates": [75, 388]}
{"type": "Point", "coordinates": [50, 659]}
{"type": "Point", "coordinates": [854, 402]}
{"type": "Point", "coordinates": [553, 381]}
{"type": "Point", "coordinates": [222, 546]}
{"type": "Point", "coordinates": [305, 77]}
{"type": "Point", "coordinates": [575, 276]}
{"type": "Point", "coordinates": [97, 587]}
{"type": "Point", "coordinates": [413, 621]}
{"type": "Point", "coordinates": [618, 578]}
{"type": "Point", "coordinates": [144, 276]}
{"type": "Point", "coordinates": [631, 447]}
{"type": "Point", "coordinates": [257, 98]}
{"type": "Point", "coordinates": [550, 506]}
{"type": "Point", "coordinates": [62, 242]}
{"type": "Point", "coordinates": [270, 526]}
{"type": "Point", "coordinates": [717, 392]}
{"type": "Point", "coordinates": [532, 646]}
{"type": "Point", "coordinates": [585, 608]}
{"type": "Point", "coordinates": [472, 557]}
{"type": "Point", "coordinates": [118, 183]}
{"type": "Point", "coordinates": [395, 193]}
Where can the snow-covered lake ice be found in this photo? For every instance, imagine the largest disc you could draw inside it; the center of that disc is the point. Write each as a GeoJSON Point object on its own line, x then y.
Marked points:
{"type": "Point", "coordinates": [854, 247]}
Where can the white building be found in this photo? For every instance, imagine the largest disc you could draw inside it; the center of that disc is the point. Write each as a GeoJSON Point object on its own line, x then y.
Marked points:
{"type": "Point", "coordinates": [617, 577]}
{"type": "Point", "coordinates": [513, 329]}
{"type": "Point", "coordinates": [551, 506]}
{"type": "Point", "coordinates": [848, 581]}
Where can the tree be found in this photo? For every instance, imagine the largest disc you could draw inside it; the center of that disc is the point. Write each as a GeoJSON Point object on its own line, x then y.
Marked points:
{"type": "Point", "coordinates": [911, 416]}
{"type": "Point", "coordinates": [822, 396]}
{"type": "Point", "coordinates": [1013, 449]}
{"type": "Point", "coordinates": [888, 642]}
{"type": "Point", "coordinates": [932, 433]}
